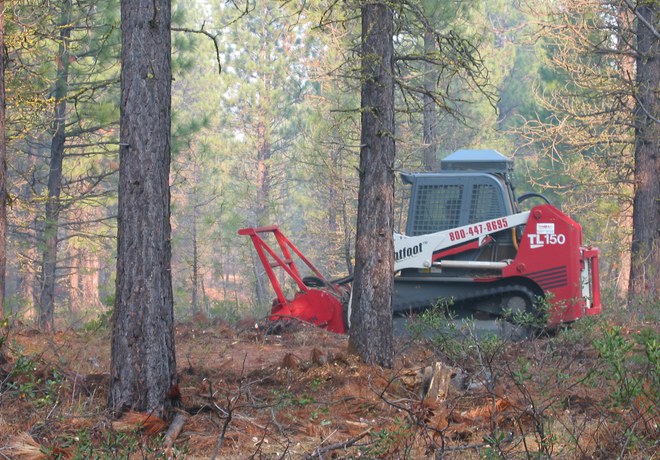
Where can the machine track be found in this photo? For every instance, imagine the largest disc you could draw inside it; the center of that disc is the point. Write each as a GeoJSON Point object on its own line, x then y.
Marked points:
{"type": "Point", "coordinates": [477, 295]}
{"type": "Point", "coordinates": [484, 307]}
{"type": "Point", "coordinates": [489, 300]}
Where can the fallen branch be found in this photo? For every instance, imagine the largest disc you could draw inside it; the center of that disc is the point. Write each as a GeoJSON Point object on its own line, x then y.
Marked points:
{"type": "Point", "coordinates": [320, 451]}
{"type": "Point", "coordinates": [221, 436]}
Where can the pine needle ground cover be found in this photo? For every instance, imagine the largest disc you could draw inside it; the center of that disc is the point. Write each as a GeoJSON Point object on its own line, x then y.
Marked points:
{"type": "Point", "coordinates": [590, 391]}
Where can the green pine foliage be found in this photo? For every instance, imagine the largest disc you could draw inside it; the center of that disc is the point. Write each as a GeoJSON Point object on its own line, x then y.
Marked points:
{"type": "Point", "coordinates": [265, 131]}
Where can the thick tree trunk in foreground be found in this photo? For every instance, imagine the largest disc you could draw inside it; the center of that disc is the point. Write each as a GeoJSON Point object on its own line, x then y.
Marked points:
{"type": "Point", "coordinates": [371, 318]}
{"type": "Point", "coordinates": [645, 257]}
{"type": "Point", "coordinates": [143, 362]}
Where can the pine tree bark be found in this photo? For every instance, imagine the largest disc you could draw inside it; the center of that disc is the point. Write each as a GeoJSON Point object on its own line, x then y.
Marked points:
{"type": "Point", "coordinates": [645, 257]}
{"type": "Point", "coordinates": [195, 267]}
{"type": "Point", "coordinates": [51, 224]}
{"type": "Point", "coordinates": [3, 164]}
{"type": "Point", "coordinates": [371, 316]}
{"type": "Point", "coordinates": [143, 366]}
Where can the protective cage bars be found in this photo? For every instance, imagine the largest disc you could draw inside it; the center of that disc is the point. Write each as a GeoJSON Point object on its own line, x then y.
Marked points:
{"type": "Point", "coordinates": [270, 259]}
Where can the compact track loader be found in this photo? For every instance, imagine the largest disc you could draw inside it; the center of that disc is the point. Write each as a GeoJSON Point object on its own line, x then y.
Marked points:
{"type": "Point", "coordinates": [467, 248]}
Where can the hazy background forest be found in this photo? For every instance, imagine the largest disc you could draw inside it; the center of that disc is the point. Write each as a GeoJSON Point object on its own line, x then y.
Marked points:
{"type": "Point", "coordinates": [266, 100]}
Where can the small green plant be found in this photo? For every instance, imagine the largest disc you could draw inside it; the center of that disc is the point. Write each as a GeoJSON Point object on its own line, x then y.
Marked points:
{"type": "Point", "coordinates": [26, 383]}
{"type": "Point", "coordinates": [649, 341]}
{"type": "Point", "coordinates": [522, 372]}
{"type": "Point", "coordinates": [632, 366]}
{"type": "Point", "coordinates": [21, 378]}
{"type": "Point", "coordinates": [318, 413]}
{"type": "Point", "coordinates": [646, 308]}
{"type": "Point", "coordinates": [4, 325]}
{"type": "Point", "coordinates": [287, 398]}
{"type": "Point", "coordinates": [437, 318]}
{"type": "Point", "coordinates": [304, 400]}
{"type": "Point", "coordinates": [232, 311]}
{"type": "Point", "coordinates": [86, 444]}
{"type": "Point", "coordinates": [316, 384]}
{"type": "Point", "coordinates": [580, 332]}
{"type": "Point", "coordinates": [613, 349]}
{"type": "Point", "coordinates": [391, 443]}
{"type": "Point", "coordinates": [496, 442]}
{"type": "Point", "coordinates": [50, 390]}
{"type": "Point", "coordinates": [102, 321]}
{"type": "Point", "coordinates": [438, 326]}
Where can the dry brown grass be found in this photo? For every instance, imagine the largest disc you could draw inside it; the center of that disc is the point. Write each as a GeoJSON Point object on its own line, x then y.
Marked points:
{"type": "Point", "coordinates": [23, 446]}
{"type": "Point", "coordinates": [133, 421]}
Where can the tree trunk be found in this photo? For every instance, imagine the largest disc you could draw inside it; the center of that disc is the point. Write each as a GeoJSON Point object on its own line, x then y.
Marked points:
{"type": "Point", "coordinates": [430, 123]}
{"type": "Point", "coordinates": [75, 294]}
{"type": "Point", "coordinates": [259, 276]}
{"type": "Point", "coordinates": [3, 164]}
{"type": "Point", "coordinates": [645, 257]}
{"type": "Point", "coordinates": [83, 283]}
{"type": "Point", "coordinates": [371, 317]}
{"type": "Point", "coordinates": [348, 259]}
{"type": "Point", "coordinates": [90, 280]}
{"type": "Point", "coordinates": [143, 366]}
{"type": "Point", "coordinates": [195, 261]}
{"type": "Point", "coordinates": [621, 263]}
{"type": "Point", "coordinates": [51, 224]}
{"type": "Point", "coordinates": [264, 153]}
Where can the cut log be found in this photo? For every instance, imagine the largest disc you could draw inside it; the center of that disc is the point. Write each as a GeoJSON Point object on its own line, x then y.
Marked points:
{"type": "Point", "coordinates": [434, 381]}
{"type": "Point", "coordinates": [173, 432]}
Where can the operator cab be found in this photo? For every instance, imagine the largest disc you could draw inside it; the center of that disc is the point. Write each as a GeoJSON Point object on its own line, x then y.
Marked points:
{"type": "Point", "coordinates": [471, 186]}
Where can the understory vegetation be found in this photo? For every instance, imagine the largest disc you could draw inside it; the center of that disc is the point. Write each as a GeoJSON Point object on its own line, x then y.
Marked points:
{"type": "Point", "coordinates": [588, 390]}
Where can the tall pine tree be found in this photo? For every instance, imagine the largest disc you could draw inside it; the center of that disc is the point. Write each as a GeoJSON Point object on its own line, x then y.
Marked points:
{"type": "Point", "coordinates": [371, 335]}
{"type": "Point", "coordinates": [143, 367]}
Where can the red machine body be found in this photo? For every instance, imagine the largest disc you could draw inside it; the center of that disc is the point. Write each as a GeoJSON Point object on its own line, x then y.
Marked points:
{"type": "Point", "coordinates": [552, 257]}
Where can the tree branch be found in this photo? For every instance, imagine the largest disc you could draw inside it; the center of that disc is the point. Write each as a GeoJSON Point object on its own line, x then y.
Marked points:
{"type": "Point", "coordinates": [319, 451]}
{"type": "Point", "coordinates": [642, 19]}
{"type": "Point", "coordinates": [208, 34]}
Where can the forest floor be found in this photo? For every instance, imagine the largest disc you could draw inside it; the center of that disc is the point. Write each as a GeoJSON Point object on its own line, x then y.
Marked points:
{"type": "Point", "coordinates": [590, 391]}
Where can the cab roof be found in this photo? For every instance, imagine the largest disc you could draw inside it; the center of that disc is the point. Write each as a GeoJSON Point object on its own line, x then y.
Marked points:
{"type": "Point", "coordinates": [481, 160]}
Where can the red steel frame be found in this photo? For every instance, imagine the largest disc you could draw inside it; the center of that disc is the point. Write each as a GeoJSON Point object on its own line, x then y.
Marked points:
{"type": "Point", "coordinates": [270, 259]}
